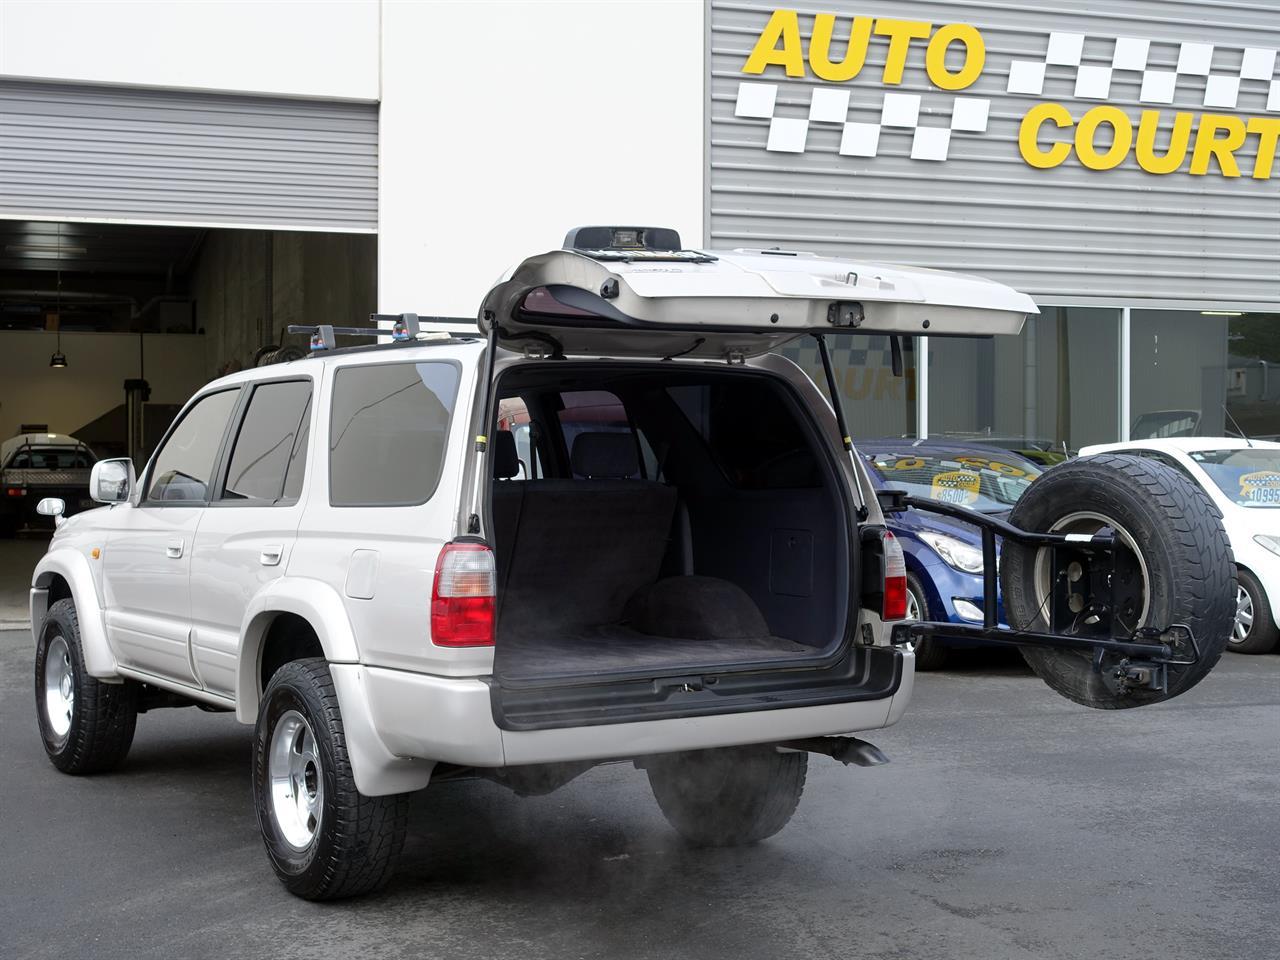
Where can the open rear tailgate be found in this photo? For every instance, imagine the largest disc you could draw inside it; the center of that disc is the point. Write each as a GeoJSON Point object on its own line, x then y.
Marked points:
{"type": "Point", "coordinates": [739, 302]}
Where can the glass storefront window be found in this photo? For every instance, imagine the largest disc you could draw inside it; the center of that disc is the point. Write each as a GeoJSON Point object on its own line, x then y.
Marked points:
{"type": "Point", "coordinates": [1177, 374]}
{"type": "Point", "coordinates": [1253, 375]}
{"type": "Point", "coordinates": [1204, 373]}
{"type": "Point", "coordinates": [876, 403]}
{"type": "Point", "coordinates": [1053, 388]}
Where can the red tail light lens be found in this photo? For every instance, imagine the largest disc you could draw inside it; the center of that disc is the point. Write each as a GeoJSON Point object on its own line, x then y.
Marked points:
{"type": "Point", "coordinates": [895, 580]}
{"type": "Point", "coordinates": [463, 595]}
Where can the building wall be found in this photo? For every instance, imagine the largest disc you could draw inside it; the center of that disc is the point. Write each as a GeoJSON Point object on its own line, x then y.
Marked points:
{"type": "Point", "coordinates": [823, 139]}
{"type": "Point", "coordinates": [250, 285]}
{"type": "Point", "coordinates": [502, 124]}
{"type": "Point", "coordinates": [93, 381]}
{"type": "Point", "coordinates": [327, 49]}
{"type": "Point", "coordinates": [505, 124]}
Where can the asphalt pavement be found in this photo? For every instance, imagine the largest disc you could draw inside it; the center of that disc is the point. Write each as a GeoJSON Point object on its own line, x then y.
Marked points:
{"type": "Point", "coordinates": [1010, 824]}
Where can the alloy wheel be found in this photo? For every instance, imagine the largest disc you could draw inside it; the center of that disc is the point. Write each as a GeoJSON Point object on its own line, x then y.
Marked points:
{"type": "Point", "coordinates": [296, 780]}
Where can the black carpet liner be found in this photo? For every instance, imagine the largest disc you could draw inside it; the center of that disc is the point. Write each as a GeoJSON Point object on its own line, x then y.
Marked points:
{"type": "Point", "coordinates": [611, 649]}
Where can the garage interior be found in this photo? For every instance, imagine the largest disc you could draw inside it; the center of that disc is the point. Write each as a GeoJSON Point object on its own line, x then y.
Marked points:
{"type": "Point", "coordinates": [172, 306]}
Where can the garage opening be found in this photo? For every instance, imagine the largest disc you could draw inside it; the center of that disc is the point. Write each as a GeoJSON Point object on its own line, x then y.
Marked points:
{"type": "Point", "coordinates": [106, 329]}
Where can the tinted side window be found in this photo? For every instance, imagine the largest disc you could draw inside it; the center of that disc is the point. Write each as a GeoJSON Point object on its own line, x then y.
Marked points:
{"type": "Point", "coordinates": [387, 432]}
{"type": "Point", "coordinates": [752, 434]}
{"type": "Point", "coordinates": [184, 465]}
{"type": "Point", "coordinates": [265, 449]}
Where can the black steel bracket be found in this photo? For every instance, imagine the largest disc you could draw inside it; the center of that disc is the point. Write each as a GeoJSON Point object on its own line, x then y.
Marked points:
{"type": "Point", "coordinates": [1085, 613]}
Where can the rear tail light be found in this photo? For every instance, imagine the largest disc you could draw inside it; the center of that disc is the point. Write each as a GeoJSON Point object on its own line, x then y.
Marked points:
{"type": "Point", "coordinates": [462, 596]}
{"type": "Point", "coordinates": [894, 606]}
{"type": "Point", "coordinates": [16, 492]}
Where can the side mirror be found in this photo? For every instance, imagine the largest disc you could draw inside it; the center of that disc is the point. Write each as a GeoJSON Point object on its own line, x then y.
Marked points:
{"type": "Point", "coordinates": [112, 481]}
{"type": "Point", "coordinates": [52, 507]}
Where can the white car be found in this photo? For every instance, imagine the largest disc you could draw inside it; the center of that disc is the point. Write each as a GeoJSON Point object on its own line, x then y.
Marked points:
{"type": "Point", "coordinates": [689, 570]}
{"type": "Point", "coordinates": [1242, 477]}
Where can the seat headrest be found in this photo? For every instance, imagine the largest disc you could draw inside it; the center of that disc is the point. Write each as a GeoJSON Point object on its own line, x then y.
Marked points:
{"type": "Point", "coordinates": [506, 459]}
{"type": "Point", "coordinates": [604, 455]}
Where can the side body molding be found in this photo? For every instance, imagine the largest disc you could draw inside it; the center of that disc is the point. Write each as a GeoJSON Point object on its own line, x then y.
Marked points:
{"type": "Point", "coordinates": [313, 601]}
{"type": "Point", "coordinates": [99, 660]}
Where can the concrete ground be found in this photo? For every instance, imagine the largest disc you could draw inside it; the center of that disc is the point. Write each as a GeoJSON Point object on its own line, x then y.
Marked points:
{"type": "Point", "coordinates": [1010, 824]}
{"type": "Point", "coordinates": [18, 557]}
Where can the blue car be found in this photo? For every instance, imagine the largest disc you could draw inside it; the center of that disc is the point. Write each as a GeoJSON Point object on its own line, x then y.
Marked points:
{"type": "Point", "coordinates": [944, 556]}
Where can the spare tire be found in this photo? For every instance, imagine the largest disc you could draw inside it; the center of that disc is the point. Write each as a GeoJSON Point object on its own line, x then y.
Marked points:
{"type": "Point", "coordinates": [1173, 551]}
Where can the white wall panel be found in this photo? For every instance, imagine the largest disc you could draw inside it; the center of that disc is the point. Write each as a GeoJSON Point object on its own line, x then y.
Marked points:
{"type": "Point", "coordinates": [285, 47]}
{"type": "Point", "coordinates": [505, 124]}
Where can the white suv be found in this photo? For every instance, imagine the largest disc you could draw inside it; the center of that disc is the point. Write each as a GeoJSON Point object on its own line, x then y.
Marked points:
{"type": "Point", "coordinates": [682, 565]}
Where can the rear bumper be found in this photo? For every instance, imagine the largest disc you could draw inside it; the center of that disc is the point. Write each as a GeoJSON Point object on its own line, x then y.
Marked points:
{"type": "Point", "coordinates": [399, 724]}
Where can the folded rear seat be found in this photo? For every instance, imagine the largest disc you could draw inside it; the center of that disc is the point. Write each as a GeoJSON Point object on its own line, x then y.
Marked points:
{"type": "Point", "coordinates": [577, 550]}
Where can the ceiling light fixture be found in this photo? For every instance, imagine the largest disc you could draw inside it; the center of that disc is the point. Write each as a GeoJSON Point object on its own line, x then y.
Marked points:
{"type": "Point", "coordinates": [45, 249]}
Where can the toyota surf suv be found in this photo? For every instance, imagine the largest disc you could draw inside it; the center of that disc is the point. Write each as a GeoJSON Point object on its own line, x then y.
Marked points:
{"type": "Point", "coordinates": [680, 563]}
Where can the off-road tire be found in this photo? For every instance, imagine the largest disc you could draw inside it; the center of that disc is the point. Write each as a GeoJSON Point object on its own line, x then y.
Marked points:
{"type": "Point", "coordinates": [1262, 634]}
{"type": "Point", "coordinates": [930, 653]}
{"type": "Point", "coordinates": [1180, 536]}
{"type": "Point", "coordinates": [358, 838]}
{"type": "Point", "coordinates": [104, 715]}
{"type": "Point", "coordinates": [730, 796]}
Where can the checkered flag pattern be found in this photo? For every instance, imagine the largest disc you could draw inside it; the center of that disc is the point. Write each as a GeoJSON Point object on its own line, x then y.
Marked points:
{"type": "Point", "coordinates": [830, 105]}
{"type": "Point", "coordinates": [1130, 54]}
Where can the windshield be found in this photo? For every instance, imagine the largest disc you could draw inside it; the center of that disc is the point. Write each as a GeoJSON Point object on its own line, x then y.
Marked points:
{"type": "Point", "coordinates": [959, 477]}
{"type": "Point", "coordinates": [1249, 477]}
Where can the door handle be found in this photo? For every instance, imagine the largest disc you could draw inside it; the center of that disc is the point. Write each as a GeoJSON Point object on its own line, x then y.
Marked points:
{"type": "Point", "coordinates": [270, 556]}
{"type": "Point", "coordinates": [173, 550]}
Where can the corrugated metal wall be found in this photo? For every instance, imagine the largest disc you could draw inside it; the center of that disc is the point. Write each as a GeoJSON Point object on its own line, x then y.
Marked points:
{"type": "Point", "coordinates": [1065, 234]}
{"type": "Point", "coordinates": [153, 156]}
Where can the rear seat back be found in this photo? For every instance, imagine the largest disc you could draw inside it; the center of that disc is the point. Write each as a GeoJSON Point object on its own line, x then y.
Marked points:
{"type": "Point", "coordinates": [572, 552]}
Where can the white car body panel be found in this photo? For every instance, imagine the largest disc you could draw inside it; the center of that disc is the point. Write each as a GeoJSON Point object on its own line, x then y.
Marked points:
{"type": "Point", "coordinates": [1241, 523]}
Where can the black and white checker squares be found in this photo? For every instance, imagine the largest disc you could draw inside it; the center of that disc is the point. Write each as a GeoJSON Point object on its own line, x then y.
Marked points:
{"type": "Point", "coordinates": [1159, 86]}
{"type": "Point", "coordinates": [830, 105]}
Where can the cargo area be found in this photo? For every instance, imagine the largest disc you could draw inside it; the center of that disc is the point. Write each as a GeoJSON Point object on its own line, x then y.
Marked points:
{"type": "Point", "coordinates": [653, 522]}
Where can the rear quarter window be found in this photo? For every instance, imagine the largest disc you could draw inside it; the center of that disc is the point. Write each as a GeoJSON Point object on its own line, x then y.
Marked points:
{"type": "Point", "coordinates": [388, 430]}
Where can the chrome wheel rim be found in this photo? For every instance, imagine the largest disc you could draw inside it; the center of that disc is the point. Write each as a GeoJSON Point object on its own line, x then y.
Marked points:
{"type": "Point", "coordinates": [59, 687]}
{"type": "Point", "coordinates": [1088, 522]}
{"type": "Point", "coordinates": [1244, 616]}
{"type": "Point", "coordinates": [913, 605]}
{"type": "Point", "coordinates": [296, 780]}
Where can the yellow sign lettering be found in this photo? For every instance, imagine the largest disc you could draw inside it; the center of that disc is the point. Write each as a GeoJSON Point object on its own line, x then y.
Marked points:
{"type": "Point", "coordinates": [900, 34]}
{"type": "Point", "coordinates": [1087, 132]}
{"type": "Point", "coordinates": [855, 54]}
{"type": "Point", "coordinates": [1029, 135]}
{"type": "Point", "coordinates": [783, 28]}
{"type": "Point", "coordinates": [1223, 150]}
{"type": "Point", "coordinates": [1268, 131]}
{"type": "Point", "coordinates": [975, 56]}
{"type": "Point", "coordinates": [1179, 142]}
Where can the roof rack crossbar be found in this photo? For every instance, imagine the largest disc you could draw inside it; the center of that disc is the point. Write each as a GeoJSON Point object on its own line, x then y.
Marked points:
{"type": "Point", "coordinates": [403, 327]}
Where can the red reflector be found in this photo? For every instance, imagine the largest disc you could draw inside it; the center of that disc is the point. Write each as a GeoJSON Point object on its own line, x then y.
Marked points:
{"type": "Point", "coordinates": [462, 596]}
{"type": "Point", "coordinates": [895, 580]}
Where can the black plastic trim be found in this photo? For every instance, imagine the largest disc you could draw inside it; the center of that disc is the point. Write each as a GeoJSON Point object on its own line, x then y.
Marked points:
{"type": "Point", "coordinates": [863, 673]}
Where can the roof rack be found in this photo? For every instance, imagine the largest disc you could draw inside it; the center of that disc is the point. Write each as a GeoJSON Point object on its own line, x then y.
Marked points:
{"type": "Point", "coordinates": [404, 327]}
